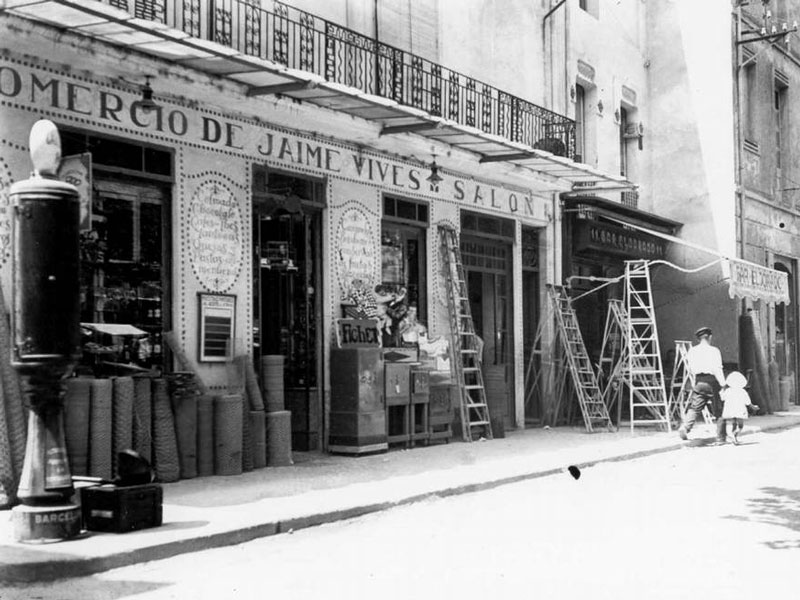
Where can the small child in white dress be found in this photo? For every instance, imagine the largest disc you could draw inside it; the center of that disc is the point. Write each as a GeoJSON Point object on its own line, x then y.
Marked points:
{"type": "Point", "coordinates": [736, 401]}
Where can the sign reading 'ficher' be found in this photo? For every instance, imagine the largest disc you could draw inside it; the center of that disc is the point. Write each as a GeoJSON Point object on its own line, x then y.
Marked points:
{"type": "Point", "coordinates": [749, 280]}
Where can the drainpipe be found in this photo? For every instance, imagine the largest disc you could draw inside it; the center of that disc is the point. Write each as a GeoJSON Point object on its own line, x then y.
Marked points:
{"type": "Point", "coordinates": [377, 39]}
{"type": "Point", "coordinates": [737, 99]}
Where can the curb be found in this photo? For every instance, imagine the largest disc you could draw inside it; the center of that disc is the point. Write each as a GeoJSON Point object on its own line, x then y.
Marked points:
{"type": "Point", "coordinates": [48, 570]}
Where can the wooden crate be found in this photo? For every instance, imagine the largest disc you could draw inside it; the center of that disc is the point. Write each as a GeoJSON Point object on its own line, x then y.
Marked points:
{"type": "Point", "coordinates": [120, 509]}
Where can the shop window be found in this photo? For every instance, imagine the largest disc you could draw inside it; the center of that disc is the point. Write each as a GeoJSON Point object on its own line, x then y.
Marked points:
{"type": "Point", "coordinates": [116, 153]}
{"type": "Point", "coordinates": [124, 255]}
{"type": "Point", "coordinates": [403, 264]}
{"type": "Point", "coordinates": [122, 277]}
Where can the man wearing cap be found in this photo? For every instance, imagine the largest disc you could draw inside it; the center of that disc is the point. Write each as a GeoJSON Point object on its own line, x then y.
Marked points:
{"type": "Point", "coordinates": [704, 362]}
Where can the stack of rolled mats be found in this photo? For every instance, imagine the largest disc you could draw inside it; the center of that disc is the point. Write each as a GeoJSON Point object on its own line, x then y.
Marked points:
{"type": "Point", "coordinates": [279, 421]}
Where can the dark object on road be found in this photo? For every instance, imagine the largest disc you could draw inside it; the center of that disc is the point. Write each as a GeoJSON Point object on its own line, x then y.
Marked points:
{"type": "Point", "coordinates": [574, 471]}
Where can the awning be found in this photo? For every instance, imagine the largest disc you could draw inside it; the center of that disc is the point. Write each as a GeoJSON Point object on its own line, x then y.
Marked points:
{"type": "Point", "coordinates": [114, 329]}
{"type": "Point", "coordinates": [607, 208]}
{"type": "Point", "coordinates": [745, 279]}
{"type": "Point", "coordinates": [265, 77]}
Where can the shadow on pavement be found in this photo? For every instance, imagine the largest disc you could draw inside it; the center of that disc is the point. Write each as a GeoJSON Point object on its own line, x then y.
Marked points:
{"type": "Point", "coordinates": [92, 588]}
{"type": "Point", "coordinates": [780, 507]}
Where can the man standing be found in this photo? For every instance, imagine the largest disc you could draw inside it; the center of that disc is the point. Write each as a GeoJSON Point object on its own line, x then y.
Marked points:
{"type": "Point", "coordinates": [704, 362]}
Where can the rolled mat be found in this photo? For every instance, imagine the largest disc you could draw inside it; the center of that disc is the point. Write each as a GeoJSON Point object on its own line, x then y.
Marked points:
{"type": "Point", "coordinates": [100, 428]}
{"type": "Point", "coordinates": [272, 381]}
{"type": "Point", "coordinates": [228, 434]}
{"type": "Point", "coordinates": [15, 416]}
{"type": "Point", "coordinates": [8, 476]}
{"type": "Point", "coordinates": [165, 444]}
{"type": "Point", "coordinates": [247, 438]}
{"type": "Point", "coordinates": [279, 438]}
{"type": "Point", "coordinates": [77, 409]}
{"type": "Point", "coordinates": [258, 428]}
{"type": "Point", "coordinates": [142, 417]}
{"type": "Point", "coordinates": [205, 435]}
{"type": "Point", "coordinates": [122, 431]}
{"type": "Point", "coordinates": [251, 385]}
{"type": "Point", "coordinates": [186, 431]}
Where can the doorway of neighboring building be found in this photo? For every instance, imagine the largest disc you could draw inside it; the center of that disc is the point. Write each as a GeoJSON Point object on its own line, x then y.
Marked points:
{"type": "Point", "coordinates": [486, 249]}
{"type": "Point", "coordinates": [785, 328]}
{"type": "Point", "coordinates": [287, 237]}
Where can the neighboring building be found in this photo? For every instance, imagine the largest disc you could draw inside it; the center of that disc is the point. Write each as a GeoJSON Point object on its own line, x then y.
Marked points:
{"type": "Point", "coordinates": [767, 76]}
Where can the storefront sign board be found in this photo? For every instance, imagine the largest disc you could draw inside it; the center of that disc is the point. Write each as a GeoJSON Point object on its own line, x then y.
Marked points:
{"type": "Point", "coordinates": [749, 280]}
{"type": "Point", "coordinates": [594, 236]}
{"type": "Point", "coordinates": [62, 93]}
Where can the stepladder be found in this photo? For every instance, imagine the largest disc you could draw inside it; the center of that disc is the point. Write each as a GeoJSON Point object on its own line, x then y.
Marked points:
{"type": "Point", "coordinates": [466, 346]}
{"type": "Point", "coordinates": [647, 393]}
{"type": "Point", "coordinates": [576, 359]}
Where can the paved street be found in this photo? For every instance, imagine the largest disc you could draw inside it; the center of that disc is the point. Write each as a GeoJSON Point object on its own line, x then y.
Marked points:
{"type": "Point", "coordinates": [710, 522]}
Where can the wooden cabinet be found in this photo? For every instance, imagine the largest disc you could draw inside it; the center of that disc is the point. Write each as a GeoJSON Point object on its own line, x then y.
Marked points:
{"type": "Point", "coordinates": [358, 415]}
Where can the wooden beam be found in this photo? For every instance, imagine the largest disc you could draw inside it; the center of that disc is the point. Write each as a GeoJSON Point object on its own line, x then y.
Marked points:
{"type": "Point", "coordinates": [411, 127]}
{"type": "Point", "coordinates": [502, 157]}
{"type": "Point", "coordinates": [281, 88]}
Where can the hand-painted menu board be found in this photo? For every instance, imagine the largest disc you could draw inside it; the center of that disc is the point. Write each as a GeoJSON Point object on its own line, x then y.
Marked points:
{"type": "Point", "coordinates": [215, 235]}
{"type": "Point", "coordinates": [356, 248]}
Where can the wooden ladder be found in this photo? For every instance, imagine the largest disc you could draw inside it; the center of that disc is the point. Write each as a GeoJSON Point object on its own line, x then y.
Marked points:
{"type": "Point", "coordinates": [645, 376]}
{"type": "Point", "coordinates": [590, 399]}
{"type": "Point", "coordinates": [466, 345]}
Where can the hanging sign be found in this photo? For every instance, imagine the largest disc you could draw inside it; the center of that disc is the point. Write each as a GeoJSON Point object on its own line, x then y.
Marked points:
{"type": "Point", "coordinates": [749, 280]}
{"type": "Point", "coordinates": [358, 333]}
{"type": "Point", "coordinates": [217, 321]}
{"type": "Point", "coordinates": [77, 170]}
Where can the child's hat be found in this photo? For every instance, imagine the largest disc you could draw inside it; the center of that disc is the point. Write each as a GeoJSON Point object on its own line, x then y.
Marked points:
{"type": "Point", "coordinates": [736, 380]}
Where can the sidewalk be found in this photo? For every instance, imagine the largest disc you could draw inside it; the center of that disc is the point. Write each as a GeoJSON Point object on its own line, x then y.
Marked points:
{"type": "Point", "coordinates": [218, 511]}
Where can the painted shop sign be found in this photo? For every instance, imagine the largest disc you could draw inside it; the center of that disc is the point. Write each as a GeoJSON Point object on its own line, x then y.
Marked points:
{"type": "Point", "coordinates": [43, 89]}
{"type": "Point", "coordinates": [358, 333]}
{"type": "Point", "coordinates": [355, 249]}
{"type": "Point", "coordinates": [750, 280]}
{"type": "Point", "coordinates": [215, 235]}
{"type": "Point", "coordinates": [593, 236]}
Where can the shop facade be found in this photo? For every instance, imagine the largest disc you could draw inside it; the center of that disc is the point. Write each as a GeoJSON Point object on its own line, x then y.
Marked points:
{"type": "Point", "coordinates": [244, 227]}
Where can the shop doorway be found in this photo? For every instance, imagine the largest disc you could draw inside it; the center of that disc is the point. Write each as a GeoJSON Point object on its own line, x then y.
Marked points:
{"type": "Point", "coordinates": [287, 237]}
{"type": "Point", "coordinates": [486, 250]}
{"type": "Point", "coordinates": [530, 319]}
{"type": "Point", "coordinates": [786, 330]}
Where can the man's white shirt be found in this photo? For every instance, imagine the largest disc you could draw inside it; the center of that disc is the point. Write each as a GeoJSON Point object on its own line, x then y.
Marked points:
{"type": "Point", "coordinates": [705, 358]}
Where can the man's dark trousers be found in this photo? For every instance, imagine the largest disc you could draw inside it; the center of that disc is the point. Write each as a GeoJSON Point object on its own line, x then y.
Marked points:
{"type": "Point", "coordinates": [716, 403]}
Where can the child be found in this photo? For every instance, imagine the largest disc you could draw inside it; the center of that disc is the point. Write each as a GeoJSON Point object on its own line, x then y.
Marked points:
{"type": "Point", "coordinates": [736, 400]}
{"type": "Point", "coordinates": [702, 396]}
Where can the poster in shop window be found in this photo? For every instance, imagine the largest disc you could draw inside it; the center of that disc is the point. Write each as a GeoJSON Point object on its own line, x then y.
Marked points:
{"type": "Point", "coordinates": [217, 321]}
{"type": "Point", "coordinates": [77, 170]}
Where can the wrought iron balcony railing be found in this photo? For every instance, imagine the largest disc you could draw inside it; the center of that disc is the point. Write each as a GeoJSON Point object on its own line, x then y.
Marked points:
{"type": "Point", "coordinates": [300, 40]}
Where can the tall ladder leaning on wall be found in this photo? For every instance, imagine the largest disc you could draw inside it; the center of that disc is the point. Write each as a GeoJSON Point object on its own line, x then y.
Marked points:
{"type": "Point", "coordinates": [467, 347]}
{"type": "Point", "coordinates": [590, 399]}
{"type": "Point", "coordinates": [645, 374]}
